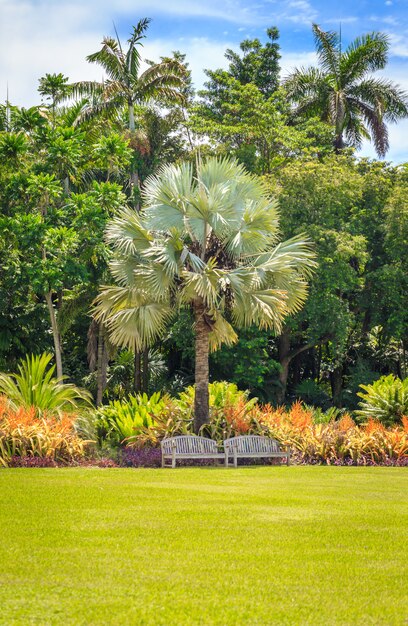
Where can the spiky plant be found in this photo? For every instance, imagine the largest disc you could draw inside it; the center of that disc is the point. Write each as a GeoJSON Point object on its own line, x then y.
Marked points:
{"type": "Point", "coordinates": [35, 385]}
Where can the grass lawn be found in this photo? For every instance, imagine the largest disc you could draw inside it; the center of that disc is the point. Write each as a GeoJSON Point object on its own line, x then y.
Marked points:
{"type": "Point", "coordinates": [257, 545]}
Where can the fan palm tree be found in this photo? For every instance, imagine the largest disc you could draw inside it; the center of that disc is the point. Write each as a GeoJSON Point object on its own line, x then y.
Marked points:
{"type": "Point", "coordinates": [210, 243]}
{"type": "Point", "coordinates": [343, 92]}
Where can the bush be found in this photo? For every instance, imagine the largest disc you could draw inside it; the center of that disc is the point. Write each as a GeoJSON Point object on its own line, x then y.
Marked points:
{"type": "Point", "coordinates": [385, 400]}
{"type": "Point", "coordinates": [337, 442]}
{"type": "Point", "coordinates": [36, 386]}
{"type": "Point", "coordinates": [24, 435]}
{"type": "Point", "coordinates": [135, 421]}
{"type": "Point", "coordinates": [141, 457]}
{"type": "Point", "coordinates": [312, 393]}
{"type": "Point", "coordinates": [231, 412]}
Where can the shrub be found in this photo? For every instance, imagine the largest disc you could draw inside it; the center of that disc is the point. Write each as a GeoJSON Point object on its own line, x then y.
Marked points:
{"type": "Point", "coordinates": [136, 421]}
{"type": "Point", "coordinates": [36, 386]}
{"type": "Point", "coordinates": [25, 435]}
{"type": "Point", "coordinates": [141, 457]}
{"type": "Point", "coordinates": [338, 441]}
{"type": "Point", "coordinates": [312, 393]}
{"type": "Point", "coordinates": [385, 400]}
{"type": "Point", "coordinates": [231, 412]}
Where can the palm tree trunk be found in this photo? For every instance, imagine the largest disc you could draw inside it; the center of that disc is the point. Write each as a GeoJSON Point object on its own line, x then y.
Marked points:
{"type": "Point", "coordinates": [55, 333]}
{"type": "Point", "coordinates": [284, 360]}
{"type": "Point", "coordinates": [338, 143]}
{"type": "Point", "coordinates": [131, 116]}
{"type": "Point", "coordinates": [134, 175]}
{"type": "Point", "coordinates": [201, 401]}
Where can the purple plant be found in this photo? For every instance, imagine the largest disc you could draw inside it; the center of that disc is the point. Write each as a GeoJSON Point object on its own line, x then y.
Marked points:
{"type": "Point", "coordinates": [32, 461]}
{"type": "Point", "coordinates": [141, 457]}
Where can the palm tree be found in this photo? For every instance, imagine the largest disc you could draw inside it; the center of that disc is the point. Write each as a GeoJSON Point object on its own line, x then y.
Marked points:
{"type": "Point", "coordinates": [209, 243]}
{"type": "Point", "coordinates": [126, 85]}
{"type": "Point", "coordinates": [343, 92]}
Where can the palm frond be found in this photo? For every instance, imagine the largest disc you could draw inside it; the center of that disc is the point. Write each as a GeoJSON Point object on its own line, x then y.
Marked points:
{"type": "Point", "coordinates": [222, 333]}
{"type": "Point", "coordinates": [365, 54]}
{"type": "Point", "coordinates": [133, 55]}
{"type": "Point", "coordinates": [127, 234]}
{"type": "Point", "coordinates": [327, 48]}
{"type": "Point", "coordinates": [133, 319]}
{"type": "Point", "coordinates": [111, 58]}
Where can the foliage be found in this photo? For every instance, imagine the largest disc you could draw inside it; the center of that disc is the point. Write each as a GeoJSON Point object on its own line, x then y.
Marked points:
{"type": "Point", "coordinates": [249, 363]}
{"type": "Point", "coordinates": [312, 393]}
{"type": "Point", "coordinates": [259, 132]}
{"type": "Point", "coordinates": [342, 92]}
{"type": "Point", "coordinates": [35, 386]}
{"type": "Point", "coordinates": [385, 400]}
{"type": "Point", "coordinates": [141, 457]}
{"type": "Point", "coordinates": [135, 421]}
{"type": "Point", "coordinates": [336, 442]}
{"type": "Point", "coordinates": [24, 434]}
{"type": "Point", "coordinates": [126, 85]}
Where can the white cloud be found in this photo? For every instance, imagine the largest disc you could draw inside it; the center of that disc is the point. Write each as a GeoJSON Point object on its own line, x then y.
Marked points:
{"type": "Point", "coordinates": [49, 36]}
{"type": "Point", "coordinates": [399, 45]}
{"type": "Point", "coordinates": [292, 60]}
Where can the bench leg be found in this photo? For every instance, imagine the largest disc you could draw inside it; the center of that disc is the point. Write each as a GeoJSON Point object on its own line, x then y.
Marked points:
{"type": "Point", "coordinates": [173, 461]}
{"type": "Point", "coordinates": [226, 459]}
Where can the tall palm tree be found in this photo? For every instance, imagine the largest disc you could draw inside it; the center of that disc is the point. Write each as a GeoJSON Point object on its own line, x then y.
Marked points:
{"type": "Point", "coordinates": [343, 92]}
{"type": "Point", "coordinates": [208, 242]}
{"type": "Point", "coordinates": [126, 85]}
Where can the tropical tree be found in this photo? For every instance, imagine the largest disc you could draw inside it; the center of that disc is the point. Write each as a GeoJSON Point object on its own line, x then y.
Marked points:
{"type": "Point", "coordinates": [126, 85]}
{"type": "Point", "coordinates": [209, 243]}
{"type": "Point", "coordinates": [343, 92]}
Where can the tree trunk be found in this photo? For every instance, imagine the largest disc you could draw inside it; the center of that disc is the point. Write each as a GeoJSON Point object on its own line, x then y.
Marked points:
{"type": "Point", "coordinates": [336, 382]}
{"type": "Point", "coordinates": [137, 380]}
{"type": "Point", "coordinates": [55, 333]}
{"type": "Point", "coordinates": [284, 360]}
{"type": "Point", "coordinates": [145, 373]}
{"type": "Point", "coordinates": [101, 366]}
{"type": "Point", "coordinates": [201, 401]}
{"type": "Point", "coordinates": [131, 116]}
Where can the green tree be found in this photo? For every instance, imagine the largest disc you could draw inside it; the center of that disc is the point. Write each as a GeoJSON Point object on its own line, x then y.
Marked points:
{"type": "Point", "coordinates": [259, 63]}
{"type": "Point", "coordinates": [209, 243]}
{"type": "Point", "coordinates": [342, 90]}
{"type": "Point", "coordinates": [126, 86]}
{"type": "Point", "coordinates": [258, 131]}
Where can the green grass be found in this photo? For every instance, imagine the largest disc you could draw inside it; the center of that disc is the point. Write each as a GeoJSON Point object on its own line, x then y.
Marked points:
{"type": "Point", "coordinates": [265, 545]}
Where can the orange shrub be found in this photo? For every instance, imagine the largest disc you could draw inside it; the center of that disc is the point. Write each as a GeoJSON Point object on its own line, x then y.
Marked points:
{"type": "Point", "coordinates": [24, 434]}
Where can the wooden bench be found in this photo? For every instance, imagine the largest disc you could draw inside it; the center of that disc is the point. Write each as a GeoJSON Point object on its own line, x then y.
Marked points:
{"type": "Point", "coordinates": [254, 447]}
{"type": "Point", "coordinates": [185, 447]}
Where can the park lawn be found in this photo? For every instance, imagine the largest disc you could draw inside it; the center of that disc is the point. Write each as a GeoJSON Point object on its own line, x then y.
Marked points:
{"type": "Point", "coordinates": [256, 545]}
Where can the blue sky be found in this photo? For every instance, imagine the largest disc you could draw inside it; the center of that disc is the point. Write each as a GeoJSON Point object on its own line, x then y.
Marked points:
{"type": "Point", "coordinates": [39, 36]}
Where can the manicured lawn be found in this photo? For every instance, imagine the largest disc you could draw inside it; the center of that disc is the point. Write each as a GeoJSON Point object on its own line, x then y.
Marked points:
{"type": "Point", "coordinates": [265, 545]}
